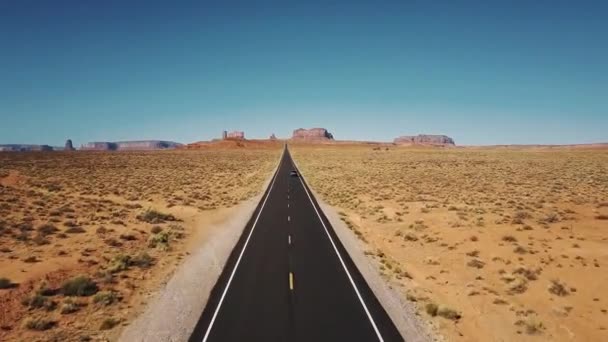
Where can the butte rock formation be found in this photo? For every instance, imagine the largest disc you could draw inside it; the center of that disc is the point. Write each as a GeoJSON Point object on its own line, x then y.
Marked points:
{"type": "Point", "coordinates": [313, 134]}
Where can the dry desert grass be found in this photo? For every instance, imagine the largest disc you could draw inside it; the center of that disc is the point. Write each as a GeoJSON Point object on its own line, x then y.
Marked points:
{"type": "Point", "coordinates": [86, 236]}
{"type": "Point", "coordinates": [490, 244]}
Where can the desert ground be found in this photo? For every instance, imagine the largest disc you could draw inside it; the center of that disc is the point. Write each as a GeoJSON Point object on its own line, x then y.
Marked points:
{"type": "Point", "coordinates": [489, 244]}
{"type": "Point", "coordinates": [87, 237]}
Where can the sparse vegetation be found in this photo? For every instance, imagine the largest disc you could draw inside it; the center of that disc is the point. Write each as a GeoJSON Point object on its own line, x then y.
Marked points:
{"type": "Point", "coordinates": [69, 214]}
{"type": "Point", "coordinates": [106, 297]}
{"type": "Point", "coordinates": [5, 283]}
{"type": "Point", "coordinates": [155, 217]}
{"type": "Point", "coordinates": [79, 286]}
{"type": "Point", "coordinates": [109, 323]}
{"type": "Point", "coordinates": [39, 324]}
{"type": "Point", "coordinates": [528, 213]}
{"type": "Point", "coordinates": [558, 288]}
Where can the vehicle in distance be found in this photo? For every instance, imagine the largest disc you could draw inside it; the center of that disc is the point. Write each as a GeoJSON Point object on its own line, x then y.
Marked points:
{"type": "Point", "coordinates": [293, 173]}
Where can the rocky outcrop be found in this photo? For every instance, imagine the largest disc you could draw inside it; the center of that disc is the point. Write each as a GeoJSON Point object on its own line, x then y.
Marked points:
{"type": "Point", "coordinates": [129, 145]}
{"type": "Point", "coordinates": [313, 134]}
{"type": "Point", "coordinates": [425, 139]}
{"type": "Point", "coordinates": [235, 135]}
{"type": "Point", "coordinates": [273, 137]}
{"type": "Point", "coordinates": [69, 146]}
{"type": "Point", "coordinates": [25, 147]}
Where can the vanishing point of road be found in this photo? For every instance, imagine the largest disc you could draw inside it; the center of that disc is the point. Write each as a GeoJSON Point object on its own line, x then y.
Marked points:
{"type": "Point", "coordinates": [290, 279]}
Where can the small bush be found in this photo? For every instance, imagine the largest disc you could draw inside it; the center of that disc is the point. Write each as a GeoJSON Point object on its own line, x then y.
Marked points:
{"type": "Point", "coordinates": [601, 217]}
{"type": "Point", "coordinates": [119, 263]}
{"type": "Point", "coordinates": [109, 323]}
{"type": "Point", "coordinates": [431, 309]}
{"type": "Point", "coordinates": [476, 263]}
{"type": "Point", "coordinates": [79, 286]}
{"type": "Point", "coordinates": [68, 307]}
{"type": "Point", "coordinates": [75, 230]}
{"type": "Point", "coordinates": [5, 283]}
{"type": "Point", "coordinates": [106, 297]}
{"type": "Point", "coordinates": [143, 260]}
{"type": "Point", "coordinates": [47, 229]}
{"type": "Point", "coordinates": [38, 301]}
{"type": "Point", "coordinates": [155, 217]}
{"type": "Point", "coordinates": [559, 289]}
{"type": "Point", "coordinates": [448, 313]}
{"type": "Point", "coordinates": [509, 238]}
{"type": "Point", "coordinates": [156, 229]}
{"type": "Point", "coordinates": [39, 324]}
{"type": "Point", "coordinates": [160, 240]}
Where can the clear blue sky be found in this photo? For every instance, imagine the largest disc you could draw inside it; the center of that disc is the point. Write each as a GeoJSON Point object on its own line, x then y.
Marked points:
{"type": "Point", "coordinates": [481, 72]}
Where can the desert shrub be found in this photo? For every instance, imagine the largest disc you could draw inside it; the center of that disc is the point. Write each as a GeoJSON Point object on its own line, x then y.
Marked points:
{"type": "Point", "coordinates": [476, 263]}
{"type": "Point", "coordinates": [160, 240]}
{"type": "Point", "coordinates": [448, 313]}
{"type": "Point", "coordinates": [156, 229]}
{"type": "Point", "coordinates": [40, 240]}
{"type": "Point", "coordinates": [527, 273]}
{"type": "Point", "coordinates": [531, 325]}
{"type": "Point", "coordinates": [38, 301]}
{"type": "Point", "coordinates": [119, 263]}
{"type": "Point", "coordinates": [551, 218]}
{"type": "Point", "coordinates": [68, 306]}
{"type": "Point", "coordinates": [47, 229]}
{"type": "Point", "coordinates": [431, 309]}
{"type": "Point", "coordinates": [410, 237]}
{"type": "Point", "coordinates": [142, 259]}
{"type": "Point", "coordinates": [5, 283]}
{"type": "Point", "coordinates": [39, 324]}
{"type": "Point", "coordinates": [30, 259]}
{"type": "Point", "coordinates": [601, 217]}
{"type": "Point", "coordinates": [558, 288]}
{"type": "Point", "coordinates": [109, 323]}
{"type": "Point", "coordinates": [509, 238]}
{"type": "Point", "coordinates": [520, 250]}
{"type": "Point", "coordinates": [75, 230]}
{"type": "Point", "coordinates": [518, 287]}
{"type": "Point", "coordinates": [106, 297]}
{"type": "Point", "coordinates": [127, 237]}
{"type": "Point", "coordinates": [79, 286]}
{"type": "Point", "coordinates": [155, 217]}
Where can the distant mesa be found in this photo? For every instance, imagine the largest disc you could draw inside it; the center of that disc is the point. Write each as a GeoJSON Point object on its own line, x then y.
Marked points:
{"type": "Point", "coordinates": [313, 134]}
{"type": "Point", "coordinates": [24, 148]}
{"type": "Point", "coordinates": [425, 139]}
{"type": "Point", "coordinates": [234, 135]}
{"type": "Point", "coordinates": [142, 145]}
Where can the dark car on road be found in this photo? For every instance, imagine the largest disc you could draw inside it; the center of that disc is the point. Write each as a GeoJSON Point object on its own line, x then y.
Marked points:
{"type": "Point", "coordinates": [293, 173]}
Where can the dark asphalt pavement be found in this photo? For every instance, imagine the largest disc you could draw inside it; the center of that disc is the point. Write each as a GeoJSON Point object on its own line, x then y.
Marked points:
{"type": "Point", "coordinates": [290, 279]}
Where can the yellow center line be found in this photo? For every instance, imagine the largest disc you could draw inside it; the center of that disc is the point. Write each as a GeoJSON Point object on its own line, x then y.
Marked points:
{"type": "Point", "coordinates": [291, 281]}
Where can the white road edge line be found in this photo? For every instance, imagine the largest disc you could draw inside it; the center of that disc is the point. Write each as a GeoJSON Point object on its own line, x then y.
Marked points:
{"type": "Point", "coordinates": [217, 309]}
{"type": "Point", "coordinates": [343, 264]}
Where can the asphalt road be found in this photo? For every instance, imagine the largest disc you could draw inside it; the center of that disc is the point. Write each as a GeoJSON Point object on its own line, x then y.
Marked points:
{"type": "Point", "coordinates": [290, 279]}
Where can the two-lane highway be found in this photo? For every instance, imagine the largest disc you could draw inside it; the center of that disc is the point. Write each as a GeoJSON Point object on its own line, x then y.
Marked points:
{"type": "Point", "coordinates": [290, 279]}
